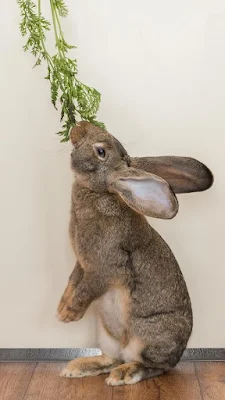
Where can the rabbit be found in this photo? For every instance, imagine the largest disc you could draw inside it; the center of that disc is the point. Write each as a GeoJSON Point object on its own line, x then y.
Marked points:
{"type": "Point", "coordinates": [123, 265]}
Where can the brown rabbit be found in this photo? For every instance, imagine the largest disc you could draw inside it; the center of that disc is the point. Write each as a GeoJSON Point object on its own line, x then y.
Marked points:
{"type": "Point", "coordinates": [143, 307]}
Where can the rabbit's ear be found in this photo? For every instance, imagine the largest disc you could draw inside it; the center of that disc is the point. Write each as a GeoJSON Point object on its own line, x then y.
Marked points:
{"type": "Point", "coordinates": [145, 193]}
{"type": "Point", "coordinates": [79, 131]}
{"type": "Point", "coordinates": [183, 174]}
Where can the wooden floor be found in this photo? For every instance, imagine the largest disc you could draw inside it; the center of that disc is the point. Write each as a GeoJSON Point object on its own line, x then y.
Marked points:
{"type": "Point", "coordinates": [41, 381]}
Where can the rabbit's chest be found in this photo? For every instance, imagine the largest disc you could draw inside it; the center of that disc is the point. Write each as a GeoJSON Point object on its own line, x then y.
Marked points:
{"type": "Point", "coordinates": [96, 242]}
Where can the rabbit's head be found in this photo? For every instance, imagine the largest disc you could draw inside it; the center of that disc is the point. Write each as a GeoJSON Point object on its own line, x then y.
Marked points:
{"type": "Point", "coordinates": [95, 154]}
{"type": "Point", "coordinates": [147, 184]}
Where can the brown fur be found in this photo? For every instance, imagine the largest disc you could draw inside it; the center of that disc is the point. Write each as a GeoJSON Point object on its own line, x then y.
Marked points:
{"type": "Point", "coordinates": [115, 246]}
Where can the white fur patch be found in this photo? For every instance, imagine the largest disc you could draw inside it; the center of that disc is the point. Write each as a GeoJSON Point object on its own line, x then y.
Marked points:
{"type": "Point", "coordinates": [108, 345]}
{"type": "Point", "coordinates": [132, 352]}
{"type": "Point", "coordinates": [111, 308]}
{"type": "Point", "coordinates": [112, 314]}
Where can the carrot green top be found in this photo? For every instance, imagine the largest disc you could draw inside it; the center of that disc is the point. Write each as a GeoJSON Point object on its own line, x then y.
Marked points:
{"type": "Point", "coordinates": [76, 100]}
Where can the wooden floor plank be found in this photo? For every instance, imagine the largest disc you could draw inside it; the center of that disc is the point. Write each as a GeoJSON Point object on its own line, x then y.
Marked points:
{"type": "Point", "coordinates": [145, 390]}
{"type": "Point", "coordinates": [188, 381]}
{"type": "Point", "coordinates": [14, 380]}
{"type": "Point", "coordinates": [46, 384]}
{"type": "Point", "coordinates": [94, 388]}
{"type": "Point", "coordinates": [211, 378]}
{"type": "Point", "coordinates": [180, 383]}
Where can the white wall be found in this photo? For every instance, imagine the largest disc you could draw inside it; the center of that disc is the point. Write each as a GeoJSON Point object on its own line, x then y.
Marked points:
{"type": "Point", "coordinates": [160, 68]}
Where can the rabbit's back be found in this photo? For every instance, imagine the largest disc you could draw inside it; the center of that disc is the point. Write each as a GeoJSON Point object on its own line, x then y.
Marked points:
{"type": "Point", "coordinates": [159, 282]}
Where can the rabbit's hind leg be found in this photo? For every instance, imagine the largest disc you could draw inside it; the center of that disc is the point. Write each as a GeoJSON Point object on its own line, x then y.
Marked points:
{"type": "Point", "coordinates": [134, 369]}
{"type": "Point", "coordinates": [89, 366]}
{"type": "Point", "coordinates": [131, 373]}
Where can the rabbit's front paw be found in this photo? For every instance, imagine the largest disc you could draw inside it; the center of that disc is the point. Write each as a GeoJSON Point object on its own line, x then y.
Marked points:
{"type": "Point", "coordinates": [68, 314]}
{"type": "Point", "coordinates": [65, 311]}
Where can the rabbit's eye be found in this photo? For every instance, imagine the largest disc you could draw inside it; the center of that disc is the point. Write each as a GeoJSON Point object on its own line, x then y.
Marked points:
{"type": "Point", "coordinates": [101, 152]}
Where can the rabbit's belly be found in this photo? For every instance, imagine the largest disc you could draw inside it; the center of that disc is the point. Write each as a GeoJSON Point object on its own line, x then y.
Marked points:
{"type": "Point", "coordinates": [113, 308]}
{"type": "Point", "coordinates": [113, 322]}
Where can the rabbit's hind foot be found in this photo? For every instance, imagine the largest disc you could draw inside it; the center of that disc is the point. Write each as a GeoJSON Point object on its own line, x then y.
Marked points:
{"type": "Point", "coordinates": [130, 373]}
{"type": "Point", "coordinates": [89, 366]}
